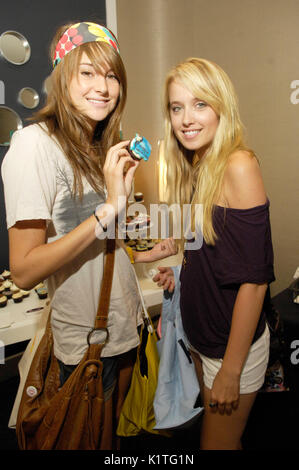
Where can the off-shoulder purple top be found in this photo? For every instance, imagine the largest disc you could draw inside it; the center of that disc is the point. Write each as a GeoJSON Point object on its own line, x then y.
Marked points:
{"type": "Point", "coordinates": [211, 276]}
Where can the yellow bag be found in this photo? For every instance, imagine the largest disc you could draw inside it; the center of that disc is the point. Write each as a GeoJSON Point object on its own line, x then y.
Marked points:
{"type": "Point", "coordinates": [137, 414]}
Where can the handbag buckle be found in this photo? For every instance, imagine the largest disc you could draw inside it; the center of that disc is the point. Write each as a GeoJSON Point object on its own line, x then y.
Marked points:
{"type": "Point", "coordinates": [97, 329]}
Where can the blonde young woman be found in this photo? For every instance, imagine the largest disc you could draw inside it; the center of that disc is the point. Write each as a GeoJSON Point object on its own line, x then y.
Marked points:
{"type": "Point", "coordinates": [63, 178]}
{"type": "Point", "coordinates": [224, 283]}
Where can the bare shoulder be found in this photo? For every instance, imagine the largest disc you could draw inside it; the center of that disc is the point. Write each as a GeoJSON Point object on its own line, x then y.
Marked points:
{"type": "Point", "coordinates": [241, 161]}
{"type": "Point", "coordinates": [243, 183]}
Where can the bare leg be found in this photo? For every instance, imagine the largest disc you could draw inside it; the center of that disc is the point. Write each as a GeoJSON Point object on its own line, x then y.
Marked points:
{"type": "Point", "coordinates": [222, 431]}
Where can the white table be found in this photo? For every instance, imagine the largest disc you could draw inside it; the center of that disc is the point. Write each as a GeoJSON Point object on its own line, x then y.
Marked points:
{"type": "Point", "coordinates": [23, 326]}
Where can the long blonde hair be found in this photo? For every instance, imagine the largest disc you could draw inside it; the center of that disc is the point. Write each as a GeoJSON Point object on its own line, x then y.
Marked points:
{"type": "Point", "coordinates": [84, 149]}
{"type": "Point", "coordinates": [201, 183]}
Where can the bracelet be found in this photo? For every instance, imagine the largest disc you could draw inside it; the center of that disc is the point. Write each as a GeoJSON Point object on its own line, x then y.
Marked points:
{"type": "Point", "coordinates": [100, 223]}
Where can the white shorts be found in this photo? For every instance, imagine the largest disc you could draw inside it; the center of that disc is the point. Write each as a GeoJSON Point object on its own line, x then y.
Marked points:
{"type": "Point", "coordinates": [254, 370]}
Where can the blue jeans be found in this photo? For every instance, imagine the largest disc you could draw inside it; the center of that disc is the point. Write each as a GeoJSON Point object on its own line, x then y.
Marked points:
{"type": "Point", "coordinates": [109, 373]}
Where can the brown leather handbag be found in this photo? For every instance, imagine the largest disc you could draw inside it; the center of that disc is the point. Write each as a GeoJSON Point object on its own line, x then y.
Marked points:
{"type": "Point", "coordinates": [71, 417]}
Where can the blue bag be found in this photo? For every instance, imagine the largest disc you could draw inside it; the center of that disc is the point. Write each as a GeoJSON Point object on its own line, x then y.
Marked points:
{"type": "Point", "coordinates": [177, 399]}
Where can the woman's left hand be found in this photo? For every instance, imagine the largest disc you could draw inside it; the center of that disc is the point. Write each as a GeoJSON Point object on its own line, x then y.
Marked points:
{"type": "Point", "coordinates": [225, 391]}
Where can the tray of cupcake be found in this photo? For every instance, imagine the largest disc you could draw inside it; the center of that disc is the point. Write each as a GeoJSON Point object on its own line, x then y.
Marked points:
{"type": "Point", "coordinates": [9, 292]}
{"type": "Point", "coordinates": [137, 222]}
{"type": "Point", "coordinates": [142, 244]}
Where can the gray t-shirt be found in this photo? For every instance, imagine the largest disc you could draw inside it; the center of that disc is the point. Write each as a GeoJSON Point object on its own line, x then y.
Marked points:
{"type": "Point", "coordinates": [37, 185]}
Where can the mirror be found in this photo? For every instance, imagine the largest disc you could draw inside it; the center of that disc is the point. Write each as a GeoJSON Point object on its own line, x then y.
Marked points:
{"type": "Point", "coordinates": [2, 92]}
{"type": "Point", "coordinates": [28, 97]}
{"type": "Point", "coordinates": [47, 84]}
{"type": "Point", "coordinates": [14, 47]}
{"type": "Point", "coordinates": [10, 122]}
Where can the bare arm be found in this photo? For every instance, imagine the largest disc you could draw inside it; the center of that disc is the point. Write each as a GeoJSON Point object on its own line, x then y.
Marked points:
{"type": "Point", "coordinates": [243, 189]}
{"type": "Point", "coordinates": [246, 314]}
{"type": "Point", "coordinates": [161, 250]}
{"type": "Point", "coordinates": [33, 260]}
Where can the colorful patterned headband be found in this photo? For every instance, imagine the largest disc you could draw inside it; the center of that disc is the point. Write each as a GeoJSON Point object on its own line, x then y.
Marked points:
{"type": "Point", "coordinates": [80, 33]}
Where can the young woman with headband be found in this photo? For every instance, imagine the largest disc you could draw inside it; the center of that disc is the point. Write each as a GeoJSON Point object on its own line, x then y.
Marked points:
{"type": "Point", "coordinates": [63, 178]}
{"type": "Point", "coordinates": [225, 281]}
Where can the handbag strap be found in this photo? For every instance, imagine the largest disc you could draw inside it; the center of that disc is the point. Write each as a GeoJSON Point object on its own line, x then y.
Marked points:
{"type": "Point", "coordinates": [104, 300]}
{"type": "Point", "coordinates": [101, 318]}
{"type": "Point", "coordinates": [146, 317]}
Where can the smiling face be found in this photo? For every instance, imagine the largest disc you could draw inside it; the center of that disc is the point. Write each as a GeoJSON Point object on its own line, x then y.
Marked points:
{"type": "Point", "coordinates": [94, 92]}
{"type": "Point", "coordinates": [193, 121]}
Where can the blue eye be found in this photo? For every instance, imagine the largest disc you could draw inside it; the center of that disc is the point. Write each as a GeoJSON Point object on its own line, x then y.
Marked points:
{"type": "Point", "coordinates": [175, 109]}
{"type": "Point", "coordinates": [200, 104]}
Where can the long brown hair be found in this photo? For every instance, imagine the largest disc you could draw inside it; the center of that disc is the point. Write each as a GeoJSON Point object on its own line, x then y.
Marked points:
{"type": "Point", "coordinates": [84, 148]}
